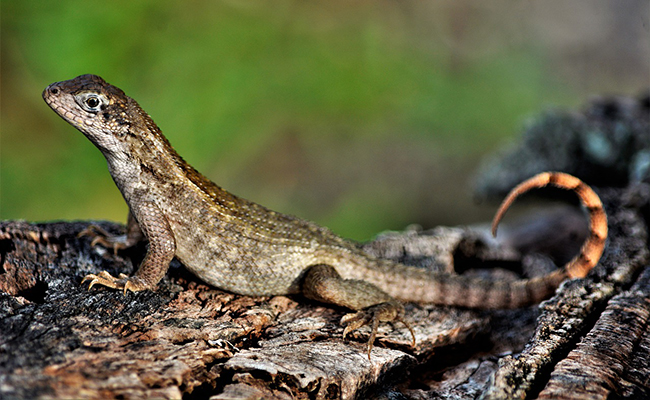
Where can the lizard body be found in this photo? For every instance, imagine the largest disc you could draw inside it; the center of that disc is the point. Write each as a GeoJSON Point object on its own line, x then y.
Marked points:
{"type": "Point", "coordinates": [245, 248]}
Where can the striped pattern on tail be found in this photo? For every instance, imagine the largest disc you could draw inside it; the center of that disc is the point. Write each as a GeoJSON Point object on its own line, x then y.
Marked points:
{"type": "Point", "coordinates": [593, 247]}
{"type": "Point", "coordinates": [414, 284]}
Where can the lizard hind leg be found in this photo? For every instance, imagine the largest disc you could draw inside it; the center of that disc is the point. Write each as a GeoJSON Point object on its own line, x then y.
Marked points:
{"type": "Point", "coordinates": [373, 315]}
{"type": "Point", "coordinates": [105, 239]}
{"type": "Point", "coordinates": [372, 305]}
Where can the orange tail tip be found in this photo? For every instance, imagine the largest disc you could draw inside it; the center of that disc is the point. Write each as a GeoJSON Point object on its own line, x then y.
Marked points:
{"type": "Point", "coordinates": [593, 247]}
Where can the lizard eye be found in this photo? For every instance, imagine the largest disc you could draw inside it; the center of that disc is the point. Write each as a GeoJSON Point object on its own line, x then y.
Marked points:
{"type": "Point", "coordinates": [91, 102]}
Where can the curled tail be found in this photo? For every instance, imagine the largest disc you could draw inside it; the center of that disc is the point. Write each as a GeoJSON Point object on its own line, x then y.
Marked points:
{"type": "Point", "coordinates": [471, 292]}
{"type": "Point", "coordinates": [499, 294]}
{"type": "Point", "coordinates": [593, 247]}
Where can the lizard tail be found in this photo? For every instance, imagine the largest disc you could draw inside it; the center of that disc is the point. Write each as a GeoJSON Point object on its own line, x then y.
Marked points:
{"type": "Point", "coordinates": [491, 294]}
{"type": "Point", "coordinates": [593, 247]}
{"type": "Point", "coordinates": [472, 292]}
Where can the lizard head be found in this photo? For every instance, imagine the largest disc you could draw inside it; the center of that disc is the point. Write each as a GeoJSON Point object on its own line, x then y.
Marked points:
{"type": "Point", "coordinates": [99, 110]}
{"type": "Point", "coordinates": [124, 133]}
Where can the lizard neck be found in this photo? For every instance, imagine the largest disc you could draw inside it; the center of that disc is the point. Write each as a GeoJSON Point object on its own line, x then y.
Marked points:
{"type": "Point", "coordinates": [152, 163]}
{"type": "Point", "coordinates": [147, 161]}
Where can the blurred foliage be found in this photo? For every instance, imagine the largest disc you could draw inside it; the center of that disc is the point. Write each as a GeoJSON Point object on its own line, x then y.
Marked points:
{"type": "Point", "coordinates": [363, 117]}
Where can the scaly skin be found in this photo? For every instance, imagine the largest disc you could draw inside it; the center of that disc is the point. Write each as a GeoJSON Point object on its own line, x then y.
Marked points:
{"type": "Point", "coordinates": [245, 248]}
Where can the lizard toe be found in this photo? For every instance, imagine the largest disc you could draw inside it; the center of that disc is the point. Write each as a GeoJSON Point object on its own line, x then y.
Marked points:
{"type": "Point", "coordinates": [372, 316]}
{"type": "Point", "coordinates": [122, 282]}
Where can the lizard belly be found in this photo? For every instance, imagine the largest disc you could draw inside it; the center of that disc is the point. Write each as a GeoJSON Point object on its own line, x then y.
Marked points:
{"type": "Point", "coordinates": [242, 266]}
{"type": "Point", "coordinates": [262, 277]}
{"type": "Point", "coordinates": [247, 266]}
{"type": "Point", "coordinates": [229, 256]}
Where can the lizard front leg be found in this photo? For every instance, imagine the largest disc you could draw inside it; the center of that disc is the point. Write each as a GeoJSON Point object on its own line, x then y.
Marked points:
{"type": "Point", "coordinates": [372, 305]}
{"type": "Point", "coordinates": [162, 246]}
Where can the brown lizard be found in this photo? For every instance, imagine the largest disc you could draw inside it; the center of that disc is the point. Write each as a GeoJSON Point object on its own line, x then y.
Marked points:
{"type": "Point", "coordinates": [245, 248]}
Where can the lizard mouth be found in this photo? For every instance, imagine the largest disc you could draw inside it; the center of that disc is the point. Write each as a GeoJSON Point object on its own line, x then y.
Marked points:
{"type": "Point", "coordinates": [55, 97]}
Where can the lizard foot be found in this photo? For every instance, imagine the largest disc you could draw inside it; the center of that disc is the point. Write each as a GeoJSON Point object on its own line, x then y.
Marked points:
{"type": "Point", "coordinates": [373, 315]}
{"type": "Point", "coordinates": [122, 282]}
{"type": "Point", "coordinates": [104, 238]}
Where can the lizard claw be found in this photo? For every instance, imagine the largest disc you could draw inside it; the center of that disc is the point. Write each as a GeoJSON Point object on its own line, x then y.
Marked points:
{"type": "Point", "coordinates": [122, 282]}
{"type": "Point", "coordinates": [105, 239]}
{"type": "Point", "coordinates": [372, 316]}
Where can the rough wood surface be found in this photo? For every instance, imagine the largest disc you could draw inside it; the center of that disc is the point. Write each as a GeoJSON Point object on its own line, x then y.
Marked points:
{"type": "Point", "coordinates": [58, 339]}
{"type": "Point", "coordinates": [590, 341]}
{"type": "Point", "coordinates": [613, 357]}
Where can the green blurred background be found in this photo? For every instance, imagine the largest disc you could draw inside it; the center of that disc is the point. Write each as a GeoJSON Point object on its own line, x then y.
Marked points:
{"type": "Point", "coordinates": [362, 116]}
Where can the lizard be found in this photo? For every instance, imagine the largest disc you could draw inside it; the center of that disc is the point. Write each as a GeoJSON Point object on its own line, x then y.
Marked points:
{"type": "Point", "coordinates": [245, 248]}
